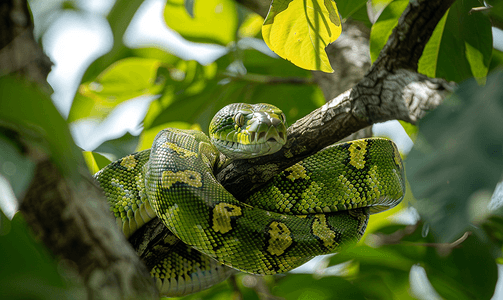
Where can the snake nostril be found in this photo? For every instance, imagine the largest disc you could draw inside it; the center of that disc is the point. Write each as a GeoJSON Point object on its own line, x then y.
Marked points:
{"type": "Point", "coordinates": [281, 136]}
{"type": "Point", "coordinates": [261, 135]}
{"type": "Point", "coordinates": [252, 136]}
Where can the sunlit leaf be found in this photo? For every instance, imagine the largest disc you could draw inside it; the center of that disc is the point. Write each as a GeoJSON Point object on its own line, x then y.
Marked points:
{"type": "Point", "coordinates": [458, 157]}
{"type": "Point", "coordinates": [119, 18]}
{"type": "Point", "coordinates": [410, 129]}
{"type": "Point", "coordinates": [214, 21]}
{"type": "Point", "coordinates": [147, 136]}
{"type": "Point", "coordinates": [251, 26]}
{"type": "Point", "coordinates": [459, 48]}
{"type": "Point", "coordinates": [461, 45]}
{"type": "Point", "coordinates": [124, 80]}
{"type": "Point", "coordinates": [299, 31]}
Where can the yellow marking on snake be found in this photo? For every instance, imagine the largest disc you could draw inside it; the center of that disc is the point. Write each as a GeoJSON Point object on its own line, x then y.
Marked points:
{"type": "Point", "coordinates": [310, 194]}
{"type": "Point", "coordinates": [189, 177]}
{"type": "Point", "coordinates": [129, 162]}
{"type": "Point", "coordinates": [357, 153]}
{"type": "Point", "coordinates": [322, 231]}
{"type": "Point", "coordinates": [372, 179]}
{"type": "Point", "coordinates": [346, 191]}
{"type": "Point", "coordinates": [222, 214]}
{"type": "Point", "coordinates": [280, 238]}
{"type": "Point", "coordinates": [298, 171]}
{"type": "Point", "coordinates": [181, 151]}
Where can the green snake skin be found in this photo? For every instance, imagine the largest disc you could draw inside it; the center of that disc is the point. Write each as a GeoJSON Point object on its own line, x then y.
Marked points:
{"type": "Point", "coordinates": [312, 208]}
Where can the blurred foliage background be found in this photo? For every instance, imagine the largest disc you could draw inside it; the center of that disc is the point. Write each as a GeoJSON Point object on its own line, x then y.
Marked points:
{"type": "Point", "coordinates": [443, 241]}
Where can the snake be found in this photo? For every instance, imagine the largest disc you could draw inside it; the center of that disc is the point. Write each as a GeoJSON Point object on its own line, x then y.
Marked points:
{"type": "Point", "coordinates": [316, 206]}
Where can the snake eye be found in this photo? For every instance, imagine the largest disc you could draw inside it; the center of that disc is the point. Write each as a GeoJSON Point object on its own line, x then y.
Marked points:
{"type": "Point", "coordinates": [239, 119]}
{"type": "Point", "coordinates": [283, 118]}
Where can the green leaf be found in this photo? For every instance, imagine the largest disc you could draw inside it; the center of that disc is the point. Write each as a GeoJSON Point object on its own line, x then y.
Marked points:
{"type": "Point", "coordinates": [469, 272]}
{"type": "Point", "coordinates": [197, 106]}
{"type": "Point", "coordinates": [251, 26]}
{"type": "Point", "coordinates": [496, 60]}
{"type": "Point", "coordinates": [299, 31]}
{"type": "Point", "coordinates": [30, 272]}
{"type": "Point", "coordinates": [458, 157]}
{"type": "Point", "coordinates": [119, 147]}
{"type": "Point", "coordinates": [305, 286]}
{"type": "Point", "coordinates": [381, 30]}
{"type": "Point", "coordinates": [466, 271]}
{"type": "Point", "coordinates": [461, 45]}
{"type": "Point", "coordinates": [119, 18]}
{"type": "Point", "coordinates": [459, 48]}
{"type": "Point", "coordinates": [147, 136]}
{"type": "Point", "coordinates": [95, 161]}
{"type": "Point", "coordinates": [27, 109]}
{"type": "Point", "coordinates": [14, 167]}
{"type": "Point", "coordinates": [348, 7]}
{"type": "Point", "coordinates": [214, 21]}
{"type": "Point", "coordinates": [123, 80]}
{"type": "Point", "coordinates": [410, 129]}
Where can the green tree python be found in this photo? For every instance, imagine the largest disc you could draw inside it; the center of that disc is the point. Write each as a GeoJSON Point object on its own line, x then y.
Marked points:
{"type": "Point", "coordinates": [311, 208]}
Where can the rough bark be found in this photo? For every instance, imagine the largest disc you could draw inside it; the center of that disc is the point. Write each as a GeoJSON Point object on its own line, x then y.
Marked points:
{"type": "Point", "coordinates": [71, 218]}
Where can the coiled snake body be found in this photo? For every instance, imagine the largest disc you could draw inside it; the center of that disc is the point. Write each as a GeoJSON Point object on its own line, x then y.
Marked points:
{"type": "Point", "coordinates": [311, 208]}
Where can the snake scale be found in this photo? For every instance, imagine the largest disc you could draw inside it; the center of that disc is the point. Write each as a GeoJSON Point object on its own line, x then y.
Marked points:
{"type": "Point", "coordinates": [311, 208]}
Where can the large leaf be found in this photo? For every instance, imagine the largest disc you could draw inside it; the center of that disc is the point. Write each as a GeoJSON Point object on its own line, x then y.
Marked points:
{"type": "Point", "coordinates": [15, 167]}
{"type": "Point", "coordinates": [299, 31]}
{"type": "Point", "coordinates": [214, 21]}
{"type": "Point", "coordinates": [461, 45]}
{"type": "Point", "coordinates": [459, 48]}
{"type": "Point", "coordinates": [119, 18]}
{"type": "Point", "coordinates": [29, 110]}
{"type": "Point", "coordinates": [27, 270]}
{"type": "Point", "coordinates": [381, 30]}
{"type": "Point", "coordinates": [458, 157]}
{"type": "Point", "coordinates": [123, 80]}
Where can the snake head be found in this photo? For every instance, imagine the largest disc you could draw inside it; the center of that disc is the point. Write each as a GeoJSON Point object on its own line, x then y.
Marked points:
{"type": "Point", "coordinates": [241, 130]}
